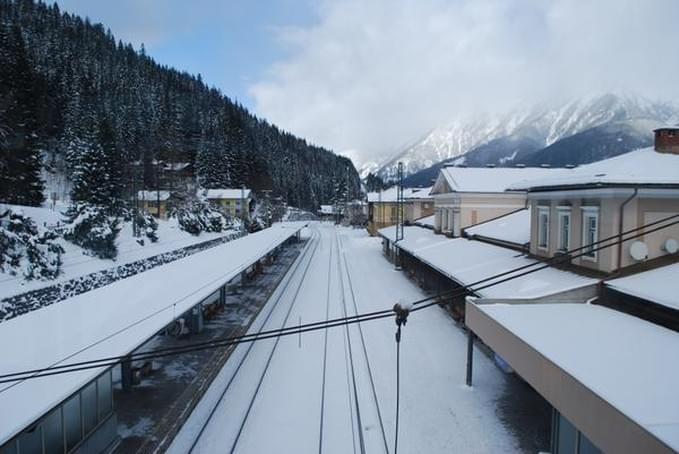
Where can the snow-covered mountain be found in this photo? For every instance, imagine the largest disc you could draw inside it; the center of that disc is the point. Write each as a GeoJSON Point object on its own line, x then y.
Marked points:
{"type": "Point", "coordinates": [503, 138]}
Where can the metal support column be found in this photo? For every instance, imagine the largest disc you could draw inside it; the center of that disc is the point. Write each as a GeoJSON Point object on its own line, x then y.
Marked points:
{"type": "Point", "coordinates": [126, 373]}
{"type": "Point", "coordinates": [470, 356]}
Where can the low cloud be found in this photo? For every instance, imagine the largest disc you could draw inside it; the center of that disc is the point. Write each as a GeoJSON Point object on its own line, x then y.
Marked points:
{"type": "Point", "coordinates": [369, 77]}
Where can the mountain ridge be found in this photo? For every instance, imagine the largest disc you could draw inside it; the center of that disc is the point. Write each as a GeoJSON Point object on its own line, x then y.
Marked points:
{"type": "Point", "coordinates": [493, 138]}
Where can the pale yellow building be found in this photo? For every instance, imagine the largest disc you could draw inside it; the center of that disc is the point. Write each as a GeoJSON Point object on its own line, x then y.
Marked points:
{"type": "Point", "coordinates": [582, 206]}
{"type": "Point", "coordinates": [466, 196]}
{"type": "Point", "coordinates": [155, 203]}
{"type": "Point", "coordinates": [383, 207]}
{"type": "Point", "coordinates": [233, 202]}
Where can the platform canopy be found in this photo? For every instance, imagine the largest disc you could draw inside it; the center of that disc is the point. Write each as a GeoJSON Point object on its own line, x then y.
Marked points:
{"type": "Point", "coordinates": [112, 321]}
{"type": "Point", "coordinates": [613, 375]}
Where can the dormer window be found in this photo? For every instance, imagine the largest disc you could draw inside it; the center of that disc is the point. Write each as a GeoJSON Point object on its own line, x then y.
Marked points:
{"type": "Point", "coordinates": [543, 227]}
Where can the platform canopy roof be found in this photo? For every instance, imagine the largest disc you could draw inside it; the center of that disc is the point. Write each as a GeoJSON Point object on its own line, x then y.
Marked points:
{"type": "Point", "coordinates": [112, 321]}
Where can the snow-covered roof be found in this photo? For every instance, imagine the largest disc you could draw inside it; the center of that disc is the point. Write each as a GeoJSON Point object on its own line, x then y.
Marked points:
{"type": "Point", "coordinates": [176, 166]}
{"type": "Point", "coordinates": [112, 321]}
{"type": "Point", "coordinates": [390, 195]}
{"type": "Point", "coordinates": [640, 167]}
{"type": "Point", "coordinates": [326, 209]}
{"type": "Point", "coordinates": [468, 261]}
{"type": "Point", "coordinates": [229, 194]}
{"type": "Point", "coordinates": [660, 285]}
{"type": "Point", "coordinates": [513, 228]}
{"type": "Point", "coordinates": [487, 179]}
{"type": "Point", "coordinates": [419, 193]}
{"type": "Point", "coordinates": [428, 220]}
{"type": "Point", "coordinates": [153, 196]}
{"type": "Point", "coordinates": [628, 362]}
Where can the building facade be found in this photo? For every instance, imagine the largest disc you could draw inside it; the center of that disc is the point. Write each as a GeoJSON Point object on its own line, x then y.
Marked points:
{"type": "Point", "coordinates": [466, 196]}
{"type": "Point", "coordinates": [383, 207]}
{"type": "Point", "coordinates": [233, 202]}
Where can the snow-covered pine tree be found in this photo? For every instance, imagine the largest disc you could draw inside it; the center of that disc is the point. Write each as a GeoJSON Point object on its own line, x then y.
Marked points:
{"type": "Point", "coordinates": [27, 249]}
{"type": "Point", "coordinates": [22, 91]}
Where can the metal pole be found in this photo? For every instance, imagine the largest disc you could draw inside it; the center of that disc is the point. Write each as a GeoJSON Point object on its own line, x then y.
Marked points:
{"type": "Point", "coordinates": [470, 356]}
{"type": "Point", "coordinates": [242, 208]}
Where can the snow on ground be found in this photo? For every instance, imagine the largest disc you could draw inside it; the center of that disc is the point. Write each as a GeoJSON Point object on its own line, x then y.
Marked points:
{"type": "Point", "coordinates": [438, 412]}
{"type": "Point", "coordinates": [659, 285]}
{"type": "Point", "coordinates": [513, 227]}
{"type": "Point", "coordinates": [76, 263]}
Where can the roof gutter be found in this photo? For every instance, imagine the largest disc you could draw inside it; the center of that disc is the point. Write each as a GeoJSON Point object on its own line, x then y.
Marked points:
{"type": "Point", "coordinates": [620, 224]}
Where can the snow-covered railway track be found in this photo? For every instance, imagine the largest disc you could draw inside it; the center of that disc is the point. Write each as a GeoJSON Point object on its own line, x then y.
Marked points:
{"type": "Point", "coordinates": [305, 258]}
{"type": "Point", "coordinates": [343, 270]}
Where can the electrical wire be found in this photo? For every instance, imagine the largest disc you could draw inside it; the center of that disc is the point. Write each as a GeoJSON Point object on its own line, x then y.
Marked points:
{"type": "Point", "coordinates": [342, 321]}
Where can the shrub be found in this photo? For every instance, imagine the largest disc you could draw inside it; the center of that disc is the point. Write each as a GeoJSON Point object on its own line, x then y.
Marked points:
{"type": "Point", "coordinates": [91, 227]}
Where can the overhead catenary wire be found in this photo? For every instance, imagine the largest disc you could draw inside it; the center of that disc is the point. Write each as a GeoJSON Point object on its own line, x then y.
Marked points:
{"type": "Point", "coordinates": [246, 354]}
{"type": "Point", "coordinates": [342, 321]}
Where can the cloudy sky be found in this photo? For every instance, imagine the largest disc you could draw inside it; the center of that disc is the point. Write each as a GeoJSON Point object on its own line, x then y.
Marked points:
{"type": "Point", "coordinates": [364, 77]}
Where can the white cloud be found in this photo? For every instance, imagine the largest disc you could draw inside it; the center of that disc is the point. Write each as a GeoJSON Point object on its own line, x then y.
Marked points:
{"type": "Point", "coordinates": [370, 76]}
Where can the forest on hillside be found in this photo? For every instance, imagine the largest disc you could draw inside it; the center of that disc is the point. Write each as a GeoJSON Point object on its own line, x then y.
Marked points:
{"type": "Point", "coordinates": [75, 102]}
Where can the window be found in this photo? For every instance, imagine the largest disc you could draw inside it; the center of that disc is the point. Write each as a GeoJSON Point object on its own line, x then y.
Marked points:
{"type": "Point", "coordinates": [564, 229]}
{"type": "Point", "coordinates": [72, 422]}
{"type": "Point", "coordinates": [566, 436]}
{"type": "Point", "coordinates": [590, 231]}
{"type": "Point", "coordinates": [9, 448]}
{"type": "Point", "coordinates": [53, 433]}
{"type": "Point", "coordinates": [104, 397]}
{"type": "Point", "coordinates": [543, 227]}
{"type": "Point", "coordinates": [31, 440]}
{"type": "Point", "coordinates": [89, 407]}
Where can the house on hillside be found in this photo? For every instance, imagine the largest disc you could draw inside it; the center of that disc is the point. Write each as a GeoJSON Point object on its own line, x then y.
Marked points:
{"type": "Point", "coordinates": [327, 213]}
{"type": "Point", "coordinates": [465, 196]}
{"type": "Point", "coordinates": [233, 202]}
{"type": "Point", "coordinates": [579, 207]}
{"type": "Point", "coordinates": [156, 203]}
{"type": "Point", "coordinates": [383, 207]}
{"type": "Point", "coordinates": [178, 177]}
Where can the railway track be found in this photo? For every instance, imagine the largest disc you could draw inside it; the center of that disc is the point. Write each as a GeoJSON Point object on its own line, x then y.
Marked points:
{"type": "Point", "coordinates": [305, 257]}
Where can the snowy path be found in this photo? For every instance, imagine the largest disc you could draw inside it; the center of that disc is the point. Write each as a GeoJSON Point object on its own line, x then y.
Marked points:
{"type": "Point", "coordinates": [308, 395]}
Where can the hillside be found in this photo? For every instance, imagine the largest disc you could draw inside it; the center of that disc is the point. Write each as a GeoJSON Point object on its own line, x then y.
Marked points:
{"type": "Point", "coordinates": [70, 92]}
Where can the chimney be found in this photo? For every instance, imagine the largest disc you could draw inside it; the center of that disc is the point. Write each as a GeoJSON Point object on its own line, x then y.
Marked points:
{"type": "Point", "coordinates": [667, 140]}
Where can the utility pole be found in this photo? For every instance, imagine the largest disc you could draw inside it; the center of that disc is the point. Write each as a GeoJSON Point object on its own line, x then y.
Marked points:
{"type": "Point", "coordinates": [399, 217]}
{"type": "Point", "coordinates": [242, 209]}
{"type": "Point", "coordinates": [157, 164]}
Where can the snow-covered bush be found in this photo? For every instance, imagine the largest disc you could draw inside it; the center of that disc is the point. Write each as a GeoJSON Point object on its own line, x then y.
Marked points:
{"type": "Point", "coordinates": [91, 227]}
{"type": "Point", "coordinates": [148, 225]}
{"type": "Point", "coordinates": [25, 247]}
{"type": "Point", "coordinates": [199, 217]}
